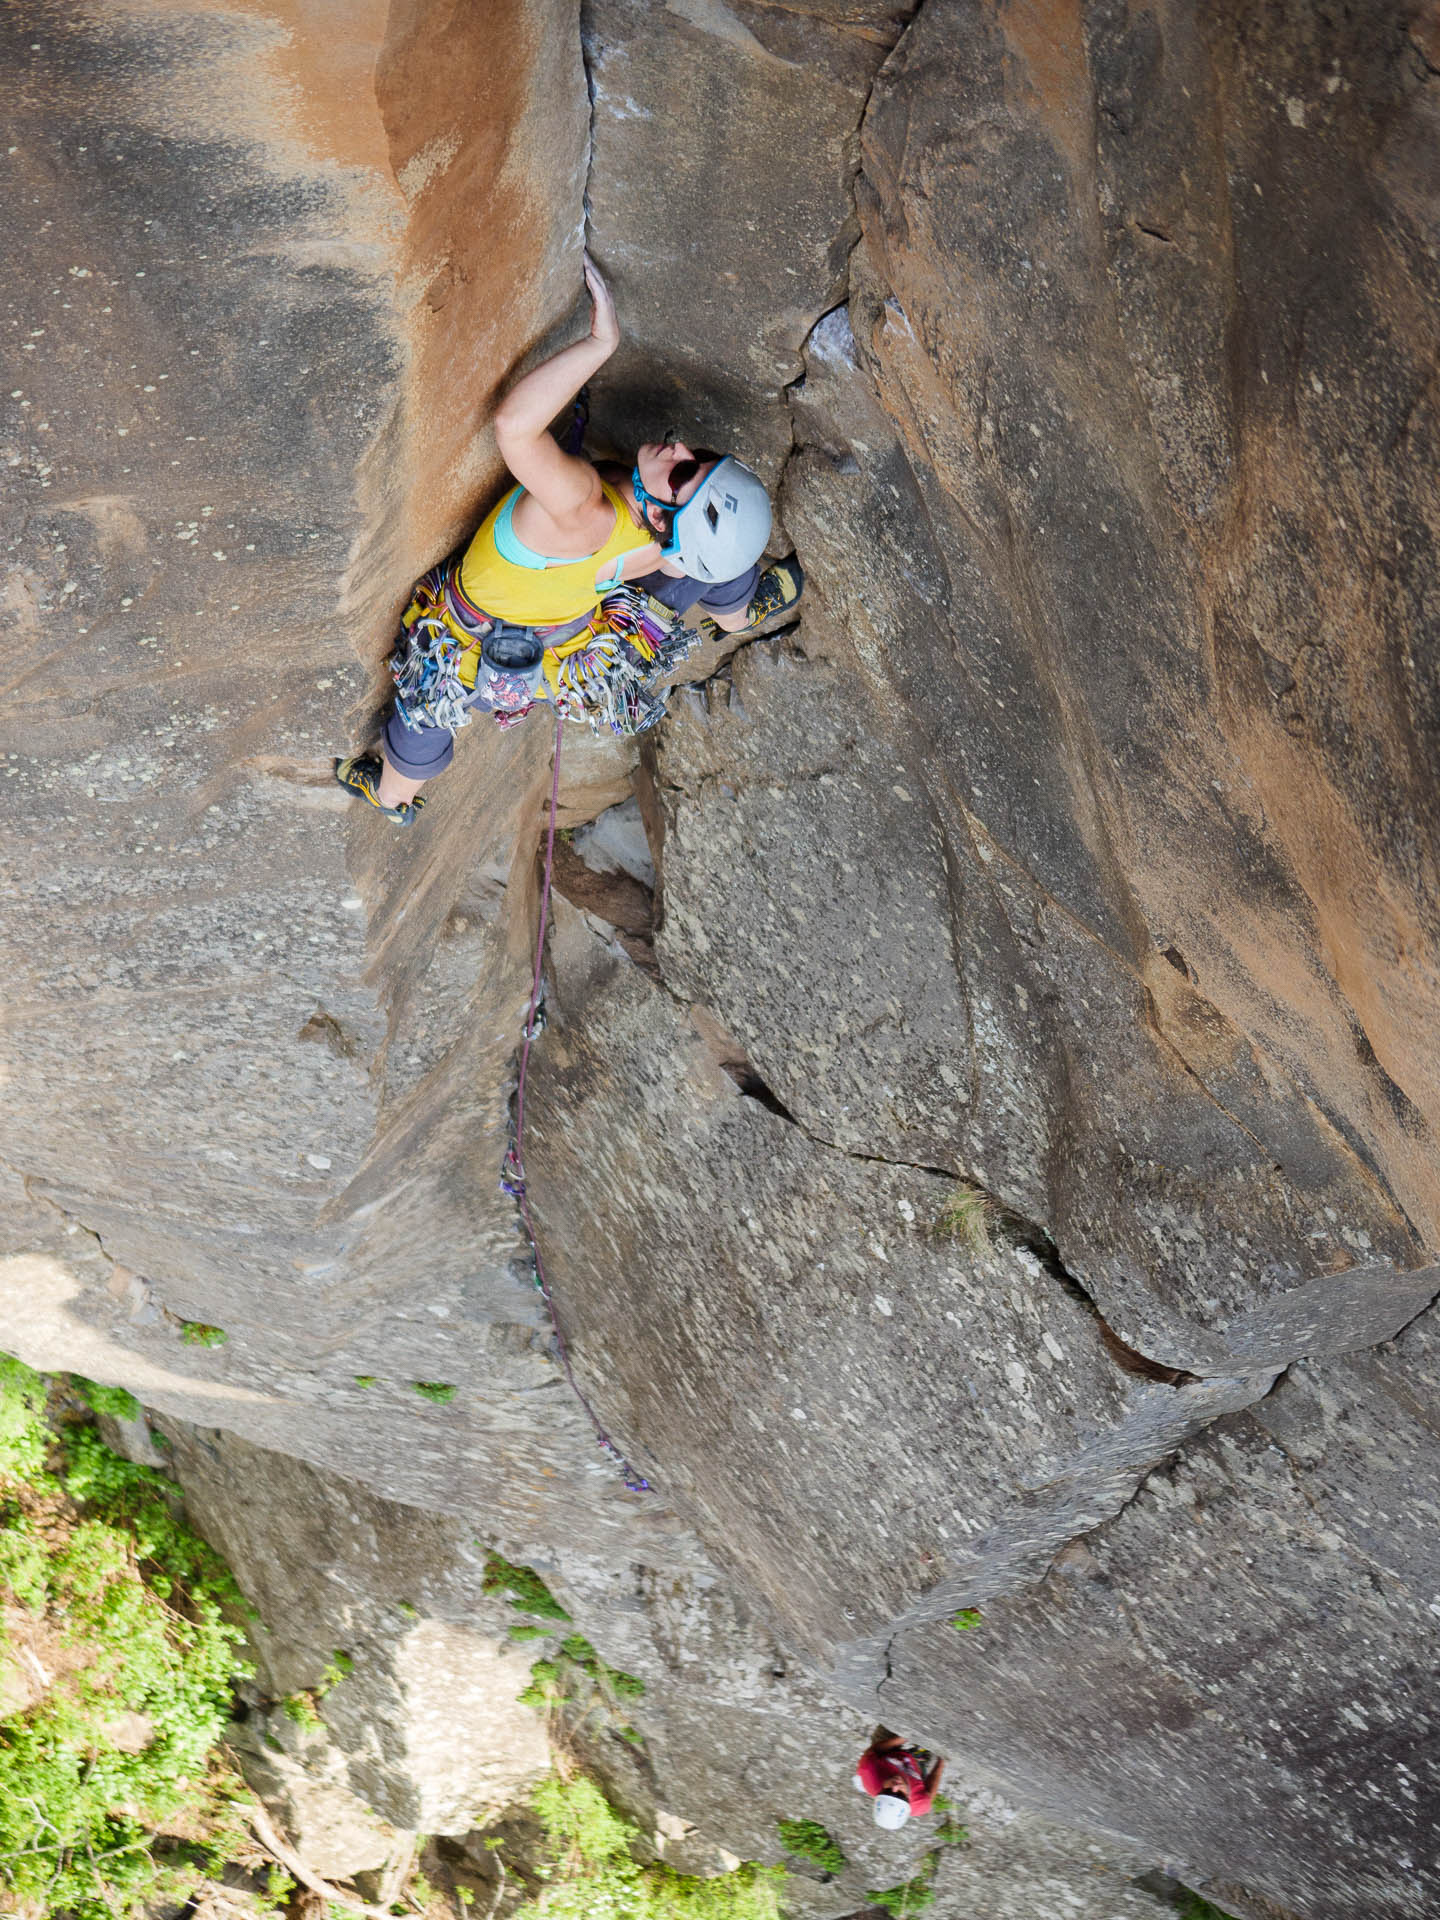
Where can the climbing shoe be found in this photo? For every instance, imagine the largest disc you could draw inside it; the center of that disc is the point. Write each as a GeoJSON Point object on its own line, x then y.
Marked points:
{"type": "Point", "coordinates": [778, 589]}
{"type": "Point", "coordinates": [361, 774]}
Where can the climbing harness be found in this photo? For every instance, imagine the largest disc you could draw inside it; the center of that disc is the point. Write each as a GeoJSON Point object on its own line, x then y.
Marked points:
{"type": "Point", "coordinates": [425, 664]}
{"type": "Point", "coordinates": [512, 1170]}
{"type": "Point", "coordinates": [450, 658]}
{"type": "Point", "coordinates": [602, 667]}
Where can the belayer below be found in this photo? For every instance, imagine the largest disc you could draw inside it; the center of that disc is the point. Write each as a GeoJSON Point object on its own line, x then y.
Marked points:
{"type": "Point", "coordinates": [578, 566]}
{"type": "Point", "coordinates": [900, 1778]}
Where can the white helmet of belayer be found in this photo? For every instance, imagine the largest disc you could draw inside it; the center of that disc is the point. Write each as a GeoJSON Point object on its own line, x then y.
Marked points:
{"type": "Point", "coordinates": [891, 1811]}
{"type": "Point", "coordinates": [722, 528]}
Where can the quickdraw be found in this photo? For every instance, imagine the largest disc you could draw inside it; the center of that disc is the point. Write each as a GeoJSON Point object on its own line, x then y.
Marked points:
{"type": "Point", "coordinates": [425, 664]}
{"type": "Point", "coordinates": [612, 674]}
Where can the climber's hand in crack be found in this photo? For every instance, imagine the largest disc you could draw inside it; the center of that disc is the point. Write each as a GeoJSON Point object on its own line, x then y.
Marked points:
{"type": "Point", "coordinates": [563, 511]}
{"type": "Point", "coordinates": [604, 326]}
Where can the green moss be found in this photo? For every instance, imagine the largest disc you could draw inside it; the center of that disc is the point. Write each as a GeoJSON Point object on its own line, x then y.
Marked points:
{"type": "Point", "coordinates": [115, 1401]}
{"type": "Point", "coordinates": [144, 1503]}
{"type": "Point", "coordinates": [577, 1816]}
{"type": "Point", "coordinates": [561, 1678]}
{"type": "Point", "coordinates": [366, 1380]}
{"type": "Point", "coordinates": [593, 1871]}
{"type": "Point", "coordinates": [544, 1686]}
{"type": "Point", "coordinates": [198, 1333]}
{"type": "Point", "coordinates": [340, 1668]}
{"type": "Point", "coordinates": [525, 1630]}
{"type": "Point", "coordinates": [1196, 1907]}
{"type": "Point", "coordinates": [527, 1592]}
{"type": "Point", "coordinates": [966, 1619]}
{"type": "Point", "coordinates": [625, 1686]}
{"type": "Point", "coordinates": [24, 1563]}
{"type": "Point", "coordinates": [808, 1840]}
{"type": "Point", "coordinates": [278, 1888]}
{"type": "Point", "coordinates": [436, 1390]}
{"type": "Point", "coordinates": [24, 1437]}
{"type": "Point", "coordinates": [300, 1707]}
{"type": "Point", "coordinates": [910, 1896]}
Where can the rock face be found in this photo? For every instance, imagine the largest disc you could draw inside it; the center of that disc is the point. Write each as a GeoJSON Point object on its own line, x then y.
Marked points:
{"type": "Point", "coordinates": [427, 1719]}
{"type": "Point", "coordinates": [1076, 847]}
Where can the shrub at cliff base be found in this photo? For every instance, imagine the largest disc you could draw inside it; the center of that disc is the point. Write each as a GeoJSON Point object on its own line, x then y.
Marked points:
{"type": "Point", "coordinates": [116, 1664]}
{"type": "Point", "coordinates": [593, 1874]}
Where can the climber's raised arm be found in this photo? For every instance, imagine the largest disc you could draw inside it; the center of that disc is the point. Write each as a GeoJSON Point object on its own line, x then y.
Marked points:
{"type": "Point", "coordinates": [565, 484]}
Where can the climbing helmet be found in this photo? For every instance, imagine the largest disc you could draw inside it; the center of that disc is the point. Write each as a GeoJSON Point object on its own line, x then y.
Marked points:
{"type": "Point", "coordinates": [722, 528]}
{"type": "Point", "coordinates": [890, 1811]}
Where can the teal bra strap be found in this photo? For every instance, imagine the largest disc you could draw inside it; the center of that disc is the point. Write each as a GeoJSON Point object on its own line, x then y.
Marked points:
{"type": "Point", "coordinates": [511, 547]}
{"type": "Point", "coordinates": [508, 543]}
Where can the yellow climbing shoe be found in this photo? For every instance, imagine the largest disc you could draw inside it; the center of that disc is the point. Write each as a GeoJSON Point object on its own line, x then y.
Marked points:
{"type": "Point", "coordinates": [360, 775]}
{"type": "Point", "coordinates": [778, 589]}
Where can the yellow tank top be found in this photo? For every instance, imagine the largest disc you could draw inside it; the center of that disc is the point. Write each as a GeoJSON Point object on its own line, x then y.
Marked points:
{"type": "Point", "coordinates": [503, 577]}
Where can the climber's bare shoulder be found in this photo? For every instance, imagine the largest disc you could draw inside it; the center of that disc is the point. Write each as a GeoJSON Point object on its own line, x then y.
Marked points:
{"type": "Point", "coordinates": [564, 508]}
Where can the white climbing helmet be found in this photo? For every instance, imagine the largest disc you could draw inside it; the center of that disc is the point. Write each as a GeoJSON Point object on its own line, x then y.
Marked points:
{"type": "Point", "coordinates": [722, 528]}
{"type": "Point", "coordinates": [891, 1812]}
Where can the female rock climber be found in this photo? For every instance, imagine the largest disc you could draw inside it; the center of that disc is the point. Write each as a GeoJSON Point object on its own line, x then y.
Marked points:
{"type": "Point", "coordinates": [690, 526]}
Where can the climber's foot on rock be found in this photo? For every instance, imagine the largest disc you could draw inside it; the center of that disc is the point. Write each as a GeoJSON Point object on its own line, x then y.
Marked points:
{"type": "Point", "coordinates": [779, 588]}
{"type": "Point", "coordinates": [360, 775]}
{"type": "Point", "coordinates": [777, 591]}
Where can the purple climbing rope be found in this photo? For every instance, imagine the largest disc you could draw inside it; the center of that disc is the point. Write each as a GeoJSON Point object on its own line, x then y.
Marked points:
{"type": "Point", "coordinates": [512, 1172]}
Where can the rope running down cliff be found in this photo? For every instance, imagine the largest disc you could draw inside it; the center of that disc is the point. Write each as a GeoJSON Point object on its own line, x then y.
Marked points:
{"type": "Point", "coordinates": [512, 1172]}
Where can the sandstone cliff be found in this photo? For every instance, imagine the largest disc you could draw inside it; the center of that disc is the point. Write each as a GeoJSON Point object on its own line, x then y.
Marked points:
{"type": "Point", "coordinates": [1077, 843]}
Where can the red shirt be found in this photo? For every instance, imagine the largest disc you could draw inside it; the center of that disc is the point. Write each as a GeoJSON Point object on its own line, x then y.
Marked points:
{"type": "Point", "coordinates": [878, 1770]}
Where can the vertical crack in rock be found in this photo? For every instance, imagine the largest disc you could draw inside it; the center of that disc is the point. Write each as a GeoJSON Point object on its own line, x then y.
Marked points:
{"type": "Point", "coordinates": [905, 17]}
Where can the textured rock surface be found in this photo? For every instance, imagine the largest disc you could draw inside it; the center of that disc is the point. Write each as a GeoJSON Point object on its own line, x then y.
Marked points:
{"type": "Point", "coordinates": [1271, 1644]}
{"type": "Point", "coordinates": [1119, 541]}
{"type": "Point", "coordinates": [1077, 843]}
{"type": "Point", "coordinates": [721, 202]}
{"type": "Point", "coordinates": [428, 1724]}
